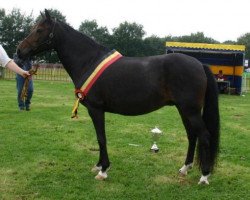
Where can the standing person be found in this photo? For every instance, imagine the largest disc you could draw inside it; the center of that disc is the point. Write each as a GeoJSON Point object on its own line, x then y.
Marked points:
{"type": "Point", "coordinates": [26, 65]}
{"type": "Point", "coordinates": [5, 61]}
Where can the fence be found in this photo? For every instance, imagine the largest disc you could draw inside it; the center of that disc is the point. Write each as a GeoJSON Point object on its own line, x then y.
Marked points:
{"type": "Point", "coordinates": [246, 83]}
{"type": "Point", "coordinates": [56, 72]}
{"type": "Point", "coordinates": [48, 72]}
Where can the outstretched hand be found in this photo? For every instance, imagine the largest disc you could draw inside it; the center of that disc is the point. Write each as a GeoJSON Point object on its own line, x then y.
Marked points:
{"type": "Point", "coordinates": [26, 74]}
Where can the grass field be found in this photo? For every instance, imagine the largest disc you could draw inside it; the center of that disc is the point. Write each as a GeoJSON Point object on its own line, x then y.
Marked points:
{"type": "Point", "coordinates": [46, 155]}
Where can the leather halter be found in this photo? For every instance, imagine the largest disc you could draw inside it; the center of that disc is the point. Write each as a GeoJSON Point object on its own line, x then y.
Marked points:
{"type": "Point", "coordinates": [48, 41]}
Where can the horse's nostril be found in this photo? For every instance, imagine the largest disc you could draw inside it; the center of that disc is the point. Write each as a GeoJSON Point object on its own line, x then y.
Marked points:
{"type": "Point", "coordinates": [18, 52]}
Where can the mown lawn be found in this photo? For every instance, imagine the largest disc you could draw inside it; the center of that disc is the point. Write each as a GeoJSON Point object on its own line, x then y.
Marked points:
{"type": "Point", "coordinates": [44, 154]}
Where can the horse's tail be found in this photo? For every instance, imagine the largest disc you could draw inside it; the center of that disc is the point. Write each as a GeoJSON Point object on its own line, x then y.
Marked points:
{"type": "Point", "coordinates": [211, 115]}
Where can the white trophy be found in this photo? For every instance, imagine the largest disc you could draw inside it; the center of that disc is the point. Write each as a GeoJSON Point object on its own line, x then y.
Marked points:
{"type": "Point", "coordinates": [156, 132]}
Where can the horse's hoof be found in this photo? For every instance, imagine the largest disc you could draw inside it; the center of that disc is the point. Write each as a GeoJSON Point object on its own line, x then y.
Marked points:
{"type": "Point", "coordinates": [183, 171]}
{"type": "Point", "coordinates": [96, 169]}
{"type": "Point", "coordinates": [204, 180]}
{"type": "Point", "coordinates": [101, 176]}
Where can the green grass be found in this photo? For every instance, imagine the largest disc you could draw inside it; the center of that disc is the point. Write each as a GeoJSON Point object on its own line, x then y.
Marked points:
{"type": "Point", "coordinates": [247, 74]}
{"type": "Point", "coordinates": [46, 155]}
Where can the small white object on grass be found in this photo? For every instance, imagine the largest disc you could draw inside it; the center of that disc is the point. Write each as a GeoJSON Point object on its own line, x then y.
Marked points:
{"type": "Point", "coordinates": [156, 130]}
{"type": "Point", "coordinates": [134, 145]}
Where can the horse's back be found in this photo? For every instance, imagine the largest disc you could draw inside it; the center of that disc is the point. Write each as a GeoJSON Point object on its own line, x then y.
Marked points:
{"type": "Point", "coordinates": [178, 74]}
{"type": "Point", "coordinates": [186, 79]}
{"type": "Point", "coordinates": [185, 75]}
{"type": "Point", "coordinates": [167, 65]}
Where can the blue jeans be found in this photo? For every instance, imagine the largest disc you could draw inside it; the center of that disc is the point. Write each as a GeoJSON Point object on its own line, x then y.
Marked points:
{"type": "Point", "coordinates": [19, 85]}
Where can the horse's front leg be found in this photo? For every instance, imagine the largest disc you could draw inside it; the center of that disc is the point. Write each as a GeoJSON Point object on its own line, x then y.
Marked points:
{"type": "Point", "coordinates": [103, 164]}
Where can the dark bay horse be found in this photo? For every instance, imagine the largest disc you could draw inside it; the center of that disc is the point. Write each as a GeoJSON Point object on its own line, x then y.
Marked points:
{"type": "Point", "coordinates": [135, 86]}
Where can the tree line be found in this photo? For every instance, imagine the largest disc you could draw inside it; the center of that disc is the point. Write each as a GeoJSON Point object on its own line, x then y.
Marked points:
{"type": "Point", "coordinates": [127, 38]}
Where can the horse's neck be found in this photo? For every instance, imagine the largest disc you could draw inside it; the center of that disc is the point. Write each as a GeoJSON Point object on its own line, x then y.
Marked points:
{"type": "Point", "coordinates": [77, 54]}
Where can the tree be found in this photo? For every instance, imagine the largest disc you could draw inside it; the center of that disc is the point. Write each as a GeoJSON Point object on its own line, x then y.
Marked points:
{"type": "Point", "coordinates": [229, 42]}
{"type": "Point", "coordinates": [127, 39]}
{"type": "Point", "coordinates": [99, 34]}
{"type": "Point", "coordinates": [245, 40]}
{"type": "Point", "coordinates": [198, 37]}
{"type": "Point", "coordinates": [2, 16]}
{"type": "Point", "coordinates": [154, 46]}
{"type": "Point", "coordinates": [2, 13]}
{"type": "Point", "coordinates": [14, 27]}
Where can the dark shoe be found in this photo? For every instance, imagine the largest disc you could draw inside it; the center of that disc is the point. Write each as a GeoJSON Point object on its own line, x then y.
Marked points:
{"type": "Point", "coordinates": [21, 109]}
{"type": "Point", "coordinates": [27, 109]}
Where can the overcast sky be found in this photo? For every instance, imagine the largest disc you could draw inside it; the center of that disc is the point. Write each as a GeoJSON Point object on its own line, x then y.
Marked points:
{"type": "Point", "coordinates": [220, 19]}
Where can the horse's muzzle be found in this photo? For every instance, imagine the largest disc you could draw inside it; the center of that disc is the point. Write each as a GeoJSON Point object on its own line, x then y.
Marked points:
{"type": "Point", "coordinates": [23, 54]}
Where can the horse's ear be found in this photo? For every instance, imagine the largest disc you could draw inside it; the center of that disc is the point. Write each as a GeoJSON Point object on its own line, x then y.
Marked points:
{"type": "Point", "coordinates": [42, 15]}
{"type": "Point", "coordinates": [47, 15]}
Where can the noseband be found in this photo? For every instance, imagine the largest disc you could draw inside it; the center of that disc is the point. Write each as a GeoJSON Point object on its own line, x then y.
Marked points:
{"type": "Point", "coordinates": [47, 42]}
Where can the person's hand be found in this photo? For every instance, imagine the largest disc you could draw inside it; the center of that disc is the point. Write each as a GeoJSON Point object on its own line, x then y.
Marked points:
{"type": "Point", "coordinates": [26, 74]}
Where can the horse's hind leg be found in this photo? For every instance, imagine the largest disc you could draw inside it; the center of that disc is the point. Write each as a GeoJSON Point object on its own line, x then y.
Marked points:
{"type": "Point", "coordinates": [192, 138]}
{"type": "Point", "coordinates": [103, 163]}
{"type": "Point", "coordinates": [196, 128]}
{"type": "Point", "coordinates": [190, 154]}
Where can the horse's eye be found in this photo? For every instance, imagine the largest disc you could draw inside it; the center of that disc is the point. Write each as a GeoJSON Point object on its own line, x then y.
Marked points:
{"type": "Point", "coordinates": [39, 30]}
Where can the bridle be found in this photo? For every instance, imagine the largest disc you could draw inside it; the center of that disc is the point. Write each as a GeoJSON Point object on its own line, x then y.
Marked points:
{"type": "Point", "coordinates": [47, 42]}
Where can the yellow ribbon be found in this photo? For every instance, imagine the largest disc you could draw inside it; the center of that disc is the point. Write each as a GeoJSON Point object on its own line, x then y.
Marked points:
{"type": "Point", "coordinates": [80, 93]}
{"type": "Point", "coordinates": [74, 111]}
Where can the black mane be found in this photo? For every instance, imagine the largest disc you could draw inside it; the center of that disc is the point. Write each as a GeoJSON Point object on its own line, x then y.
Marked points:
{"type": "Point", "coordinates": [80, 36]}
{"type": "Point", "coordinates": [75, 47]}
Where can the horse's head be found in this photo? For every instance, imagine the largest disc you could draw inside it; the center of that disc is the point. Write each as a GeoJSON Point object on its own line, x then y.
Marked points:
{"type": "Point", "coordinates": [41, 37]}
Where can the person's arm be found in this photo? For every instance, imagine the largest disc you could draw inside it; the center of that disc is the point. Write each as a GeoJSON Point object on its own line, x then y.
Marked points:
{"type": "Point", "coordinates": [14, 67]}
{"type": "Point", "coordinates": [5, 61]}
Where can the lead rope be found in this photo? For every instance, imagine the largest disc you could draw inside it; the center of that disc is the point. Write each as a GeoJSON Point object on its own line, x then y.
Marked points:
{"type": "Point", "coordinates": [24, 93]}
{"type": "Point", "coordinates": [75, 108]}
